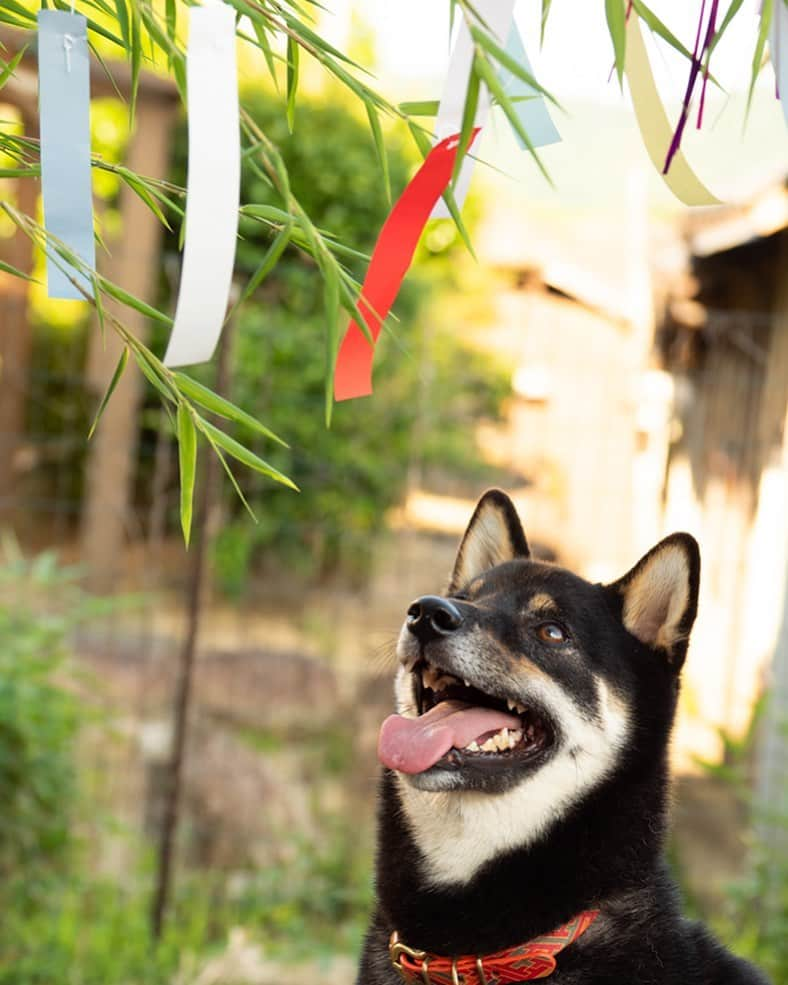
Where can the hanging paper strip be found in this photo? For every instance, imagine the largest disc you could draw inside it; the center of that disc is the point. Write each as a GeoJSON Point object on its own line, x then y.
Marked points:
{"type": "Point", "coordinates": [64, 111]}
{"type": "Point", "coordinates": [213, 185]}
{"type": "Point", "coordinates": [654, 124]}
{"type": "Point", "coordinates": [390, 261]}
{"type": "Point", "coordinates": [497, 15]}
{"type": "Point", "coordinates": [529, 104]}
{"type": "Point", "coordinates": [778, 43]}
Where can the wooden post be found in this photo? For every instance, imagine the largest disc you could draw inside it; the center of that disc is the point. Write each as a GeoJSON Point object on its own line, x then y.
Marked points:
{"type": "Point", "coordinates": [134, 264]}
{"type": "Point", "coordinates": [15, 336]}
{"type": "Point", "coordinates": [772, 793]}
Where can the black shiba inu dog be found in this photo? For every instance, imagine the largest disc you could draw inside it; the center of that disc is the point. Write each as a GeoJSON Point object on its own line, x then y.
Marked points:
{"type": "Point", "coordinates": [523, 809]}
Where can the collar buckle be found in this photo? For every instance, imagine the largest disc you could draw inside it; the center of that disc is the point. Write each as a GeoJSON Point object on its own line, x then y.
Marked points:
{"type": "Point", "coordinates": [397, 949]}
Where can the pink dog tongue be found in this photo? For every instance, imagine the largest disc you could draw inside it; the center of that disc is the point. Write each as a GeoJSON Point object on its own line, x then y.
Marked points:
{"type": "Point", "coordinates": [412, 745]}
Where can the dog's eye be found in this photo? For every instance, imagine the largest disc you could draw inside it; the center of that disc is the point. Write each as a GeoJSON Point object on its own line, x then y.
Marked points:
{"type": "Point", "coordinates": [551, 632]}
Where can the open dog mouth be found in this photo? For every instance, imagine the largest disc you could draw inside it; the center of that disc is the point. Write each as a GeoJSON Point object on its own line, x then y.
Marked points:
{"type": "Point", "coordinates": [460, 725]}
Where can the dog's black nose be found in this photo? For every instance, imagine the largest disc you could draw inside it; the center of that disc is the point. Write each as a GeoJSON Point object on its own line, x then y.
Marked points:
{"type": "Point", "coordinates": [432, 616]}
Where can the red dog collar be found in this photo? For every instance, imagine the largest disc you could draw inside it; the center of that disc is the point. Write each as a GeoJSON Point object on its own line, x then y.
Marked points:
{"type": "Point", "coordinates": [535, 959]}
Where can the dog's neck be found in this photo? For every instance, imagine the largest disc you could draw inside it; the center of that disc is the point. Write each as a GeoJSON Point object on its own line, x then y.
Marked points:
{"type": "Point", "coordinates": [600, 851]}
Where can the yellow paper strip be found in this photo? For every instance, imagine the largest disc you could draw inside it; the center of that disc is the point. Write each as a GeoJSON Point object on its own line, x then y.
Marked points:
{"type": "Point", "coordinates": [655, 127]}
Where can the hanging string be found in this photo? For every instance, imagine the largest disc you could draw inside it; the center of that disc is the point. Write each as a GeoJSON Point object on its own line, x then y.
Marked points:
{"type": "Point", "coordinates": [68, 44]}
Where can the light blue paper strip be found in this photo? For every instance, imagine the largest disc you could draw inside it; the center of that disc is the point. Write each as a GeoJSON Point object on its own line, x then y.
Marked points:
{"type": "Point", "coordinates": [778, 40]}
{"type": "Point", "coordinates": [530, 105]}
{"type": "Point", "coordinates": [64, 110]}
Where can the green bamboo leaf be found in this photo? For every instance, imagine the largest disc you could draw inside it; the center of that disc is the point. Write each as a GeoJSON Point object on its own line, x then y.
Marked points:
{"type": "Point", "coordinates": [767, 12]}
{"type": "Point", "coordinates": [617, 25]}
{"type": "Point", "coordinates": [171, 23]}
{"type": "Point", "coordinates": [131, 302]}
{"type": "Point", "coordinates": [293, 50]}
{"type": "Point", "coordinates": [31, 172]}
{"type": "Point", "coordinates": [730, 13]}
{"type": "Point", "coordinates": [265, 46]}
{"type": "Point", "coordinates": [153, 377]}
{"type": "Point", "coordinates": [10, 67]}
{"type": "Point", "coordinates": [270, 212]}
{"type": "Point", "coordinates": [6, 268]}
{"type": "Point", "coordinates": [124, 358]}
{"type": "Point", "coordinates": [320, 44]}
{"type": "Point", "coordinates": [102, 5]}
{"type": "Point", "coordinates": [136, 59]}
{"type": "Point", "coordinates": [219, 405]}
{"type": "Point", "coordinates": [269, 261]}
{"type": "Point", "coordinates": [105, 68]}
{"type": "Point", "coordinates": [122, 15]}
{"type": "Point", "coordinates": [659, 28]}
{"type": "Point", "coordinates": [244, 455]}
{"type": "Point", "coordinates": [137, 186]}
{"type": "Point", "coordinates": [492, 47]}
{"type": "Point", "coordinates": [420, 138]}
{"type": "Point", "coordinates": [546, 4]}
{"type": "Point", "coordinates": [92, 24]}
{"type": "Point", "coordinates": [468, 117]}
{"type": "Point", "coordinates": [493, 83]}
{"type": "Point", "coordinates": [331, 304]}
{"type": "Point", "coordinates": [20, 10]}
{"type": "Point", "coordinates": [380, 147]}
{"type": "Point", "coordinates": [233, 480]}
{"type": "Point", "coordinates": [427, 107]}
{"type": "Point", "coordinates": [99, 304]}
{"type": "Point", "coordinates": [167, 47]}
{"type": "Point", "coordinates": [187, 462]}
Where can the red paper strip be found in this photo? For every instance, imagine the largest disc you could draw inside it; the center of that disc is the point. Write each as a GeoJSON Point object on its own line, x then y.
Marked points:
{"type": "Point", "coordinates": [391, 258]}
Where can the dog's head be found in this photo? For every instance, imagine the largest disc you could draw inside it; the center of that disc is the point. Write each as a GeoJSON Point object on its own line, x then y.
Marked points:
{"type": "Point", "coordinates": [526, 680]}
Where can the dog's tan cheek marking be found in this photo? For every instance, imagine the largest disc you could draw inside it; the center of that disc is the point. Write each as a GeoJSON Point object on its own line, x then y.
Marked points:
{"type": "Point", "coordinates": [520, 666]}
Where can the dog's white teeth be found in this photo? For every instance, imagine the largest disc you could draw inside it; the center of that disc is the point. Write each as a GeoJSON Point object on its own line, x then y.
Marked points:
{"type": "Point", "coordinates": [466, 683]}
{"type": "Point", "coordinates": [520, 708]}
{"type": "Point", "coordinates": [473, 746]}
{"type": "Point", "coordinates": [490, 745]}
{"type": "Point", "coordinates": [515, 736]}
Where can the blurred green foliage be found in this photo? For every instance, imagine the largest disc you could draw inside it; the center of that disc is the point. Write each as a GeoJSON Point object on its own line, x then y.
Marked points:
{"type": "Point", "coordinates": [39, 718]}
{"type": "Point", "coordinates": [753, 917]}
{"type": "Point", "coordinates": [430, 389]}
{"type": "Point", "coordinates": [62, 921]}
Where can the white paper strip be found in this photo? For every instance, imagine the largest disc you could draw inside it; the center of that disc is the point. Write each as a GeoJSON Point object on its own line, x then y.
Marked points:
{"type": "Point", "coordinates": [213, 186]}
{"type": "Point", "coordinates": [497, 15]}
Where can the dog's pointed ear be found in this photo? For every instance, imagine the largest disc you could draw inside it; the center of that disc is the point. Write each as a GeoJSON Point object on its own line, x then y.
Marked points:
{"type": "Point", "coordinates": [658, 599]}
{"type": "Point", "coordinates": [494, 535]}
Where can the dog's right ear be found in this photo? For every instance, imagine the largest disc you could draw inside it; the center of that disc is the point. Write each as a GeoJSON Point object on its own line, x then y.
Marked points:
{"type": "Point", "coordinates": [494, 535]}
{"type": "Point", "coordinates": [658, 599]}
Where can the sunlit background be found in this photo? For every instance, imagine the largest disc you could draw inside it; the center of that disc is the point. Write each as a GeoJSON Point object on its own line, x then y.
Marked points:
{"type": "Point", "coordinates": [616, 361]}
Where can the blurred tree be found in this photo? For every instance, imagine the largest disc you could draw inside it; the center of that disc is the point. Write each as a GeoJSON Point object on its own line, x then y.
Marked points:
{"type": "Point", "coordinates": [428, 398]}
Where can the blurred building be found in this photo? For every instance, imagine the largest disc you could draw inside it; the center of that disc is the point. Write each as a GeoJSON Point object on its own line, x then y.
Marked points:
{"type": "Point", "coordinates": [723, 336]}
